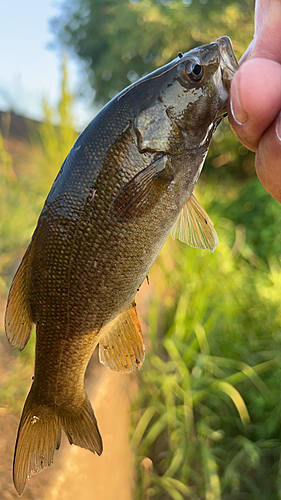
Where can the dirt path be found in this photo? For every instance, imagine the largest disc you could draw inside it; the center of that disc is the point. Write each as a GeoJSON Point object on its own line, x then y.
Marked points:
{"type": "Point", "coordinates": [78, 474]}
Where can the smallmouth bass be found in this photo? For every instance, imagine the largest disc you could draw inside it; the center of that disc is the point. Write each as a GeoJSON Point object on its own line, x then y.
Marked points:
{"type": "Point", "coordinates": [126, 184]}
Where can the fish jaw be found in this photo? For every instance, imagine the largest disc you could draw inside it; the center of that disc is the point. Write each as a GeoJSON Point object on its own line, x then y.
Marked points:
{"type": "Point", "coordinates": [195, 105]}
{"type": "Point", "coordinates": [228, 64]}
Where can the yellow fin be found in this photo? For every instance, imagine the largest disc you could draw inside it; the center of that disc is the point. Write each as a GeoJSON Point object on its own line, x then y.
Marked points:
{"type": "Point", "coordinates": [81, 427]}
{"type": "Point", "coordinates": [39, 435]}
{"type": "Point", "coordinates": [18, 323]}
{"type": "Point", "coordinates": [194, 226]}
{"type": "Point", "coordinates": [121, 347]}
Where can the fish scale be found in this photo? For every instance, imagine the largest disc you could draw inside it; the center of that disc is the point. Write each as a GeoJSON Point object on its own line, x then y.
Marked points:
{"type": "Point", "coordinates": [126, 184]}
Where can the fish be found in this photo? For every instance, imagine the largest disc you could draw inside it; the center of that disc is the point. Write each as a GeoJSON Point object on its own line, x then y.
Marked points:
{"type": "Point", "coordinates": [127, 183]}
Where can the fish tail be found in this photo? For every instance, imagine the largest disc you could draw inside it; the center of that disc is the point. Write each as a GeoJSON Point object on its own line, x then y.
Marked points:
{"type": "Point", "coordinates": [39, 435]}
{"type": "Point", "coordinates": [81, 427]}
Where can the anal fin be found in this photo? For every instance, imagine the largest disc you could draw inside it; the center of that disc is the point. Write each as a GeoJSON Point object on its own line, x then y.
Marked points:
{"type": "Point", "coordinates": [18, 323]}
{"type": "Point", "coordinates": [121, 347]}
{"type": "Point", "coordinates": [194, 226]}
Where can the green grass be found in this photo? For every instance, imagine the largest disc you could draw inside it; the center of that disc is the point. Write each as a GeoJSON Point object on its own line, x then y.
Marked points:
{"type": "Point", "coordinates": [208, 412]}
{"type": "Point", "coordinates": [207, 420]}
{"type": "Point", "coordinates": [24, 184]}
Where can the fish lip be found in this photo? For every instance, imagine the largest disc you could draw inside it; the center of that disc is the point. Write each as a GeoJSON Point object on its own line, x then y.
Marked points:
{"type": "Point", "coordinates": [219, 117]}
{"type": "Point", "coordinates": [229, 64]}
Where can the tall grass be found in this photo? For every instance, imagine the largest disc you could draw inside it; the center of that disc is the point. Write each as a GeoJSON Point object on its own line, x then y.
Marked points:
{"type": "Point", "coordinates": [24, 184]}
{"type": "Point", "coordinates": [207, 423]}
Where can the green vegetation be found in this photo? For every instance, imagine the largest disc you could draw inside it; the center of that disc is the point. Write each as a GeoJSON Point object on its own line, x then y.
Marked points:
{"type": "Point", "coordinates": [207, 421]}
{"type": "Point", "coordinates": [119, 41]}
{"type": "Point", "coordinates": [206, 424]}
{"type": "Point", "coordinates": [24, 183]}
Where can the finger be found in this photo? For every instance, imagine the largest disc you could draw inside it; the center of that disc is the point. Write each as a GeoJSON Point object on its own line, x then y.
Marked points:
{"type": "Point", "coordinates": [268, 159]}
{"type": "Point", "coordinates": [247, 52]}
{"type": "Point", "coordinates": [255, 100]}
{"type": "Point", "coordinates": [267, 30]}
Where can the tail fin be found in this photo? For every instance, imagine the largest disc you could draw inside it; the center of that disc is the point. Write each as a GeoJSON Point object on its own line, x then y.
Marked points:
{"type": "Point", "coordinates": [81, 427]}
{"type": "Point", "coordinates": [39, 435]}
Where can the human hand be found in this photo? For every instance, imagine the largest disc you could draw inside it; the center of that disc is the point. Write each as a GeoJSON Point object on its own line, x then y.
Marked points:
{"type": "Point", "coordinates": [255, 104]}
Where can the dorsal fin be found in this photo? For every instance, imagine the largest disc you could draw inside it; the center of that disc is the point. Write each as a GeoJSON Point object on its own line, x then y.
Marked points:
{"type": "Point", "coordinates": [18, 321]}
{"type": "Point", "coordinates": [194, 226]}
{"type": "Point", "coordinates": [121, 347]}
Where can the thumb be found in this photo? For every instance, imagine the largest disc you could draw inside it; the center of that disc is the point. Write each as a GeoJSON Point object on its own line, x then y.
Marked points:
{"type": "Point", "coordinates": [267, 30]}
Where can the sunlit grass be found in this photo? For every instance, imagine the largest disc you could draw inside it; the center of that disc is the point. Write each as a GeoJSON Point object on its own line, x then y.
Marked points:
{"type": "Point", "coordinates": [206, 424]}
{"type": "Point", "coordinates": [211, 376]}
{"type": "Point", "coordinates": [24, 185]}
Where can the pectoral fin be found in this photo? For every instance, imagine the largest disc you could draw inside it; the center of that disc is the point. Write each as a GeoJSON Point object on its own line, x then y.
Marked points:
{"type": "Point", "coordinates": [142, 192]}
{"type": "Point", "coordinates": [121, 347]}
{"type": "Point", "coordinates": [194, 226]}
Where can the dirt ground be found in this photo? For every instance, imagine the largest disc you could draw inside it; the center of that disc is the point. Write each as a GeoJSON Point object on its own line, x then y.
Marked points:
{"type": "Point", "coordinates": [77, 473]}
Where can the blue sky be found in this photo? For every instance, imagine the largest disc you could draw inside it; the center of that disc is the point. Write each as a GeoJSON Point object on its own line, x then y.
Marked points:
{"type": "Point", "coordinates": [29, 69]}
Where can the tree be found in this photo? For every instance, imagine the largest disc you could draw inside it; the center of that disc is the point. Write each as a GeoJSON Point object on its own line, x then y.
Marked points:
{"type": "Point", "coordinates": [120, 40]}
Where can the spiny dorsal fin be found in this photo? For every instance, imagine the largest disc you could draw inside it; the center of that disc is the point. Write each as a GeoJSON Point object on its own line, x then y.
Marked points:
{"type": "Point", "coordinates": [121, 347]}
{"type": "Point", "coordinates": [18, 321]}
{"type": "Point", "coordinates": [194, 226]}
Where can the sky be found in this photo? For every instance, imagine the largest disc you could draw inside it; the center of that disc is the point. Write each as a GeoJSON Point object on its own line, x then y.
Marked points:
{"type": "Point", "coordinates": [29, 69]}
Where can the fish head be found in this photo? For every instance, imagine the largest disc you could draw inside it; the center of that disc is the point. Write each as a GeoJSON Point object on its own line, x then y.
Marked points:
{"type": "Point", "coordinates": [192, 96]}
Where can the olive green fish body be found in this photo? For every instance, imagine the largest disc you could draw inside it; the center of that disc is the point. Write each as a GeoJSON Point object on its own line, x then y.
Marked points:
{"type": "Point", "coordinates": [83, 281]}
{"type": "Point", "coordinates": [127, 181]}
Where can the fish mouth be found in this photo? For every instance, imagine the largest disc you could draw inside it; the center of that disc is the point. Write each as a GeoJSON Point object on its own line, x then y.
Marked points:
{"type": "Point", "coordinates": [229, 64]}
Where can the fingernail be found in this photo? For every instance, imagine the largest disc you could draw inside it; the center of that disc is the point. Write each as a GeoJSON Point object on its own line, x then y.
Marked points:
{"type": "Point", "coordinates": [237, 110]}
{"type": "Point", "coordinates": [278, 127]}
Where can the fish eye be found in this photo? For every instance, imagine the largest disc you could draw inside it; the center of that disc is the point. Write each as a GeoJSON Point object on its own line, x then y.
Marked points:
{"type": "Point", "coordinates": [192, 71]}
{"type": "Point", "coordinates": [197, 72]}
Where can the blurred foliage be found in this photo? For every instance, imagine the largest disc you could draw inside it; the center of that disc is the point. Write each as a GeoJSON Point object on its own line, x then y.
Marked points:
{"type": "Point", "coordinates": [24, 183]}
{"type": "Point", "coordinates": [119, 41]}
{"type": "Point", "coordinates": [58, 139]}
{"type": "Point", "coordinates": [260, 213]}
{"type": "Point", "coordinates": [207, 423]}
